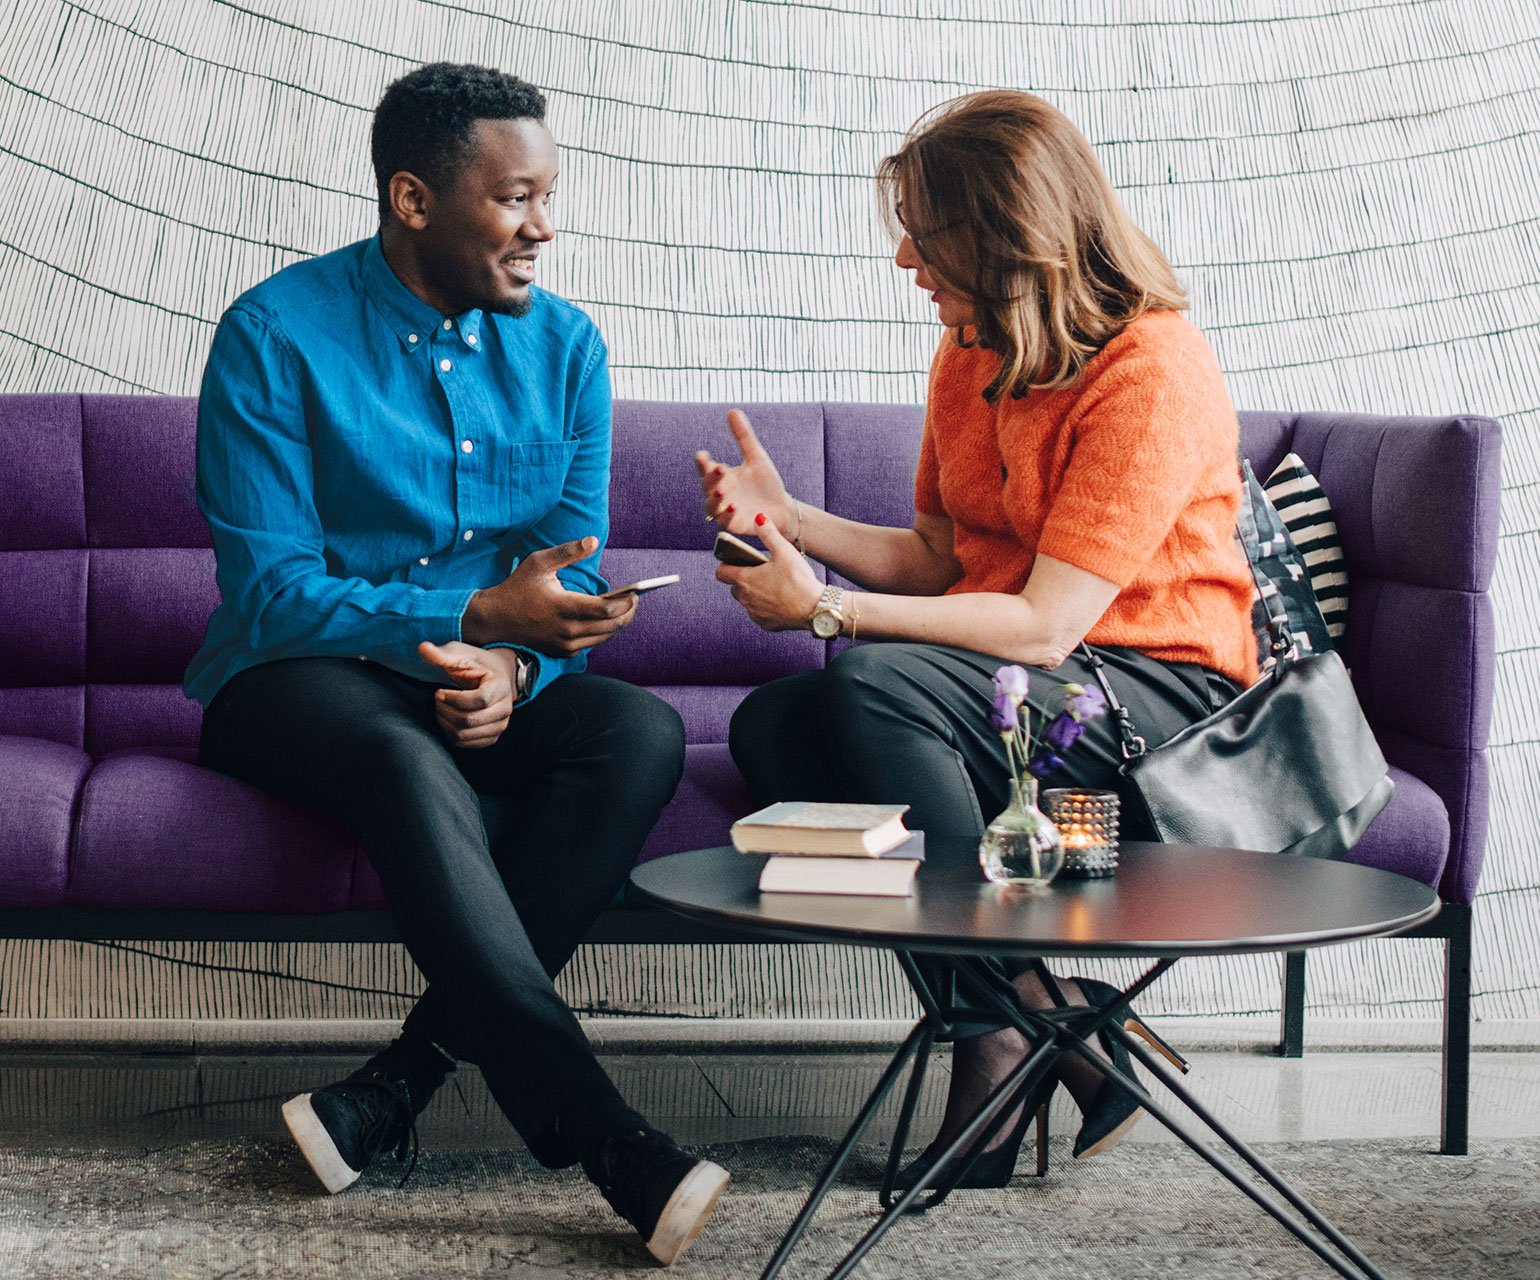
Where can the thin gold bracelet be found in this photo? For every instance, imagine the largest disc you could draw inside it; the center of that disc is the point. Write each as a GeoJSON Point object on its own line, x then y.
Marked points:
{"type": "Point", "coordinates": [855, 617]}
{"type": "Point", "coordinates": [797, 541]}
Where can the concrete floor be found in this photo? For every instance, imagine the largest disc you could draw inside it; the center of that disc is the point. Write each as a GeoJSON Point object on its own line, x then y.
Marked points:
{"type": "Point", "coordinates": [705, 1092]}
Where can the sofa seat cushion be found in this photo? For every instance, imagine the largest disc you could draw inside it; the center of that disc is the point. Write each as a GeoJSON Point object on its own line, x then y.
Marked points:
{"type": "Point", "coordinates": [157, 830]}
{"type": "Point", "coordinates": [39, 784]}
{"type": "Point", "coordinates": [711, 796]}
{"type": "Point", "coordinates": [1411, 834]}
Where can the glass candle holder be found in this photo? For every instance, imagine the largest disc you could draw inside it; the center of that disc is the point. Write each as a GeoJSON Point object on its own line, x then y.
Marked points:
{"type": "Point", "coordinates": [1088, 821]}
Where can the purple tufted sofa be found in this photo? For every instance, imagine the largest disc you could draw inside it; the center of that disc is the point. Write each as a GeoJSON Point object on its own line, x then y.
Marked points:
{"type": "Point", "coordinates": [110, 828]}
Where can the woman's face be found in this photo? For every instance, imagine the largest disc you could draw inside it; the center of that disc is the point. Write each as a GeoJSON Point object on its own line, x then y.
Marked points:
{"type": "Point", "coordinates": [952, 309]}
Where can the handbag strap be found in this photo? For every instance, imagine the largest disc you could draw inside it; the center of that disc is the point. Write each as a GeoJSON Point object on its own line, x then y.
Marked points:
{"type": "Point", "coordinates": [1280, 641]}
{"type": "Point", "coordinates": [1133, 745]}
{"type": "Point", "coordinates": [1280, 638]}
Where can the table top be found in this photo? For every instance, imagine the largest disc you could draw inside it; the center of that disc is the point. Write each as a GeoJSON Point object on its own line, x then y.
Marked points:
{"type": "Point", "coordinates": [1166, 900]}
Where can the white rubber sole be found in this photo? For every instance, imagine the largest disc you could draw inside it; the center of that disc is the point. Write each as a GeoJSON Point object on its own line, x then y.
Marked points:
{"type": "Point", "coordinates": [316, 1145]}
{"type": "Point", "coordinates": [686, 1211]}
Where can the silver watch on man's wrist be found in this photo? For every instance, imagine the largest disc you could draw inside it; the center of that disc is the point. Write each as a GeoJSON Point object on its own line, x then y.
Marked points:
{"type": "Point", "coordinates": [524, 670]}
{"type": "Point", "coordinates": [827, 620]}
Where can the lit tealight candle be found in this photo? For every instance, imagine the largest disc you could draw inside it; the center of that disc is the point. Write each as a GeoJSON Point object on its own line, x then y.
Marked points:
{"type": "Point", "coordinates": [1088, 822]}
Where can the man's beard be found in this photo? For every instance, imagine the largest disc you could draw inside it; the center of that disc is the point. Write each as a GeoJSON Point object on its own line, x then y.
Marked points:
{"type": "Point", "coordinates": [514, 307]}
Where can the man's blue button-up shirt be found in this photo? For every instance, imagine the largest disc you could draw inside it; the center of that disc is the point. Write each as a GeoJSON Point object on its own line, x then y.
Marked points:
{"type": "Point", "coordinates": [366, 464]}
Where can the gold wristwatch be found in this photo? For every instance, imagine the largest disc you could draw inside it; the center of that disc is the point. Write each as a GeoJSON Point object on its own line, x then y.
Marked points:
{"type": "Point", "coordinates": [827, 620]}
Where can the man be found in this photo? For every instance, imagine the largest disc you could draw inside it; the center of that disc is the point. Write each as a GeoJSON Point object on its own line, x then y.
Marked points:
{"type": "Point", "coordinates": [403, 456]}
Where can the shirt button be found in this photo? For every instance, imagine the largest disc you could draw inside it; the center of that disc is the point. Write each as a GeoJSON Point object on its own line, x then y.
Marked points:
{"type": "Point", "coordinates": [469, 534]}
{"type": "Point", "coordinates": [466, 446]}
{"type": "Point", "coordinates": [449, 324]}
{"type": "Point", "coordinates": [445, 365]}
{"type": "Point", "coordinates": [471, 338]}
{"type": "Point", "coordinates": [422, 559]}
{"type": "Point", "coordinates": [411, 337]}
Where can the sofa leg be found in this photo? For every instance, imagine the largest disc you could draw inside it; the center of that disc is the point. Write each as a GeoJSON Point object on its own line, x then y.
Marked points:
{"type": "Point", "coordinates": [1291, 1029]}
{"type": "Point", "coordinates": [1457, 950]}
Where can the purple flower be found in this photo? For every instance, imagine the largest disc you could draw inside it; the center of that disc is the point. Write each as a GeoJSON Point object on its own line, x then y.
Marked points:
{"type": "Point", "coordinates": [1011, 682]}
{"type": "Point", "coordinates": [1002, 718]}
{"type": "Point", "coordinates": [1044, 761]}
{"type": "Point", "coordinates": [1062, 731]}
{"type": "Point", "coordinates": [1085, 703]}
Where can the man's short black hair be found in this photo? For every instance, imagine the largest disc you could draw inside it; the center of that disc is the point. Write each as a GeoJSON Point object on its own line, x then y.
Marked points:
{"type": "Point", "coordinates": [424, 122]}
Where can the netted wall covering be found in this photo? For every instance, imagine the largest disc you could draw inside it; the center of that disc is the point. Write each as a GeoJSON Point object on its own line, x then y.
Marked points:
{"type": "Point", "coordinates": [1349, 190]}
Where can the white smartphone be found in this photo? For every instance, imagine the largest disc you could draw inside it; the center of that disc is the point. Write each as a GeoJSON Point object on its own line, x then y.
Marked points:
{"type": "Point", "coordinates": [734, 550]}
{"type": "Point", "coordinates": [639, 588]}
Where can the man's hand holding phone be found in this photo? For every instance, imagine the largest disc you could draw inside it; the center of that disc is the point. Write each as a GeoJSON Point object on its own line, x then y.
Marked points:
{"type": "Point", "coordinates": [532, 607]}
{"type": "Point", "coordinates": [641, 587]}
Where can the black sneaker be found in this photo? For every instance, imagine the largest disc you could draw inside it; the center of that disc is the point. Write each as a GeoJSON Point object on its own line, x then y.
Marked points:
{"type": "Point", "coordinates": [664, 1193]}
{"type": "Point", "coordinates": [342, 1127]}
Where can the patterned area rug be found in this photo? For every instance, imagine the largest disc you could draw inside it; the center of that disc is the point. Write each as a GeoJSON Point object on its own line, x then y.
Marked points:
{"type": "Point", "coordinates": [247, 1208]}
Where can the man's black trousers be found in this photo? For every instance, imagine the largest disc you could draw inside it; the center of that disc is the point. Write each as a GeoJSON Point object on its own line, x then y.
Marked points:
{"type": "Point", "coordinates": [584, 769]}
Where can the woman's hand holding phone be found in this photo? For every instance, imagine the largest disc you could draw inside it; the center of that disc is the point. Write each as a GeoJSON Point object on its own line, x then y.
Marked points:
{"type": "Point", "coordinates": [779, 592]}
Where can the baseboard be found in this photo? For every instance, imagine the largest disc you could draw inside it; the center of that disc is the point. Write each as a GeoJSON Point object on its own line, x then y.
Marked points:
{"type": "Point", "coordinates": [703, 1035]}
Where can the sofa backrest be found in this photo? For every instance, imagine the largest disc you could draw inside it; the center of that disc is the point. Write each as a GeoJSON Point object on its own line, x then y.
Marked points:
{"type": "Point", "coordinates": [107, 577]}
{"type": "Point", "coordinates": [106, 572]}
{"type": "Point", "coordinates": [692, 643]}
{"type": "Point", "coordinates": [1416, 504]}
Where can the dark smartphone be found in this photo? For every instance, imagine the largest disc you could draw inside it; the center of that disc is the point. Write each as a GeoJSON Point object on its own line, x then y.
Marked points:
{"type": "Point", "coordinates": [733, 550]}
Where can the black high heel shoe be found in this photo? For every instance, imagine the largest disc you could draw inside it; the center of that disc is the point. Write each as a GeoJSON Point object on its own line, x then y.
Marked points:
{"type": "Point", "coordinates": [994, 1168]}
{"type": "Point", "coordinates": [1113, 1112]}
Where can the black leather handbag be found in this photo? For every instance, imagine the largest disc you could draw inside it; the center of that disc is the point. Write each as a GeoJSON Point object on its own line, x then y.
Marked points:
{"type": "Point", "coordinates": [1289, 766]}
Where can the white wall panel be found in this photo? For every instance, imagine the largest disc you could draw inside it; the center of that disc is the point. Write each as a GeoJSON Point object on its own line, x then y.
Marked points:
{"type": "Point", "coordinates": [1350, 191]}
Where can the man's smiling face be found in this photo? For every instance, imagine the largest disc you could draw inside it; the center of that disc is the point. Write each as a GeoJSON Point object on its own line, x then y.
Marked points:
{"type": "Point", "coordinates": [485, 232]}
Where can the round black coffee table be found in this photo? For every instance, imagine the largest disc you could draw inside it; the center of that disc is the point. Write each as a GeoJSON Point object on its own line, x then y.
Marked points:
{"type": "Point", "coordinates": [1166, 902]}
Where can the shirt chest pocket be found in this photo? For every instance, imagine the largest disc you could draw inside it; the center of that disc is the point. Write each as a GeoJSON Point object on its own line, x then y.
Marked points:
{"type": "Point", "coordinates": [534, 474]}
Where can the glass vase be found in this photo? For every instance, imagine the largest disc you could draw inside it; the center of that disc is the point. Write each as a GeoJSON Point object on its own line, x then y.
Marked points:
{"type": "Point", "coordinates": [1021, 846]}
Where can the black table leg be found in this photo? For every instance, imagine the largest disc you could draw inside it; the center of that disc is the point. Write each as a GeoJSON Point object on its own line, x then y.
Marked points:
{"type": "Point", "coordinates": [1073, 1031]}
{"type": "Point", "coordinates": [937, 1021]}
{"type": "Point", "coordinates": [1063, 1029]}
{"type": "Point", "coordinates": [1235, 1175]}
{"type": "Point", "coordinates": [923, 1034]}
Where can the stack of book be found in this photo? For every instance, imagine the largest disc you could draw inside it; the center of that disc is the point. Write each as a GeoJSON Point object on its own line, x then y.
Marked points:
{"type": "Point", "coordinates": [821, 847]}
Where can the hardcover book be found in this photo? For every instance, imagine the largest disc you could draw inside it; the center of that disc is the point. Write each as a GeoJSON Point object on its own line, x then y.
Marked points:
{"type": "Point", "coordinates": [889, 875]}
{"type": "Point", "coordinates": [812, 827]}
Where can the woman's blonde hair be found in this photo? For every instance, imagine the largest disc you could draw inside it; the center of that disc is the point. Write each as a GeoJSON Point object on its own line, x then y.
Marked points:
{"type": "Point", "coordinates": [1005, 201]}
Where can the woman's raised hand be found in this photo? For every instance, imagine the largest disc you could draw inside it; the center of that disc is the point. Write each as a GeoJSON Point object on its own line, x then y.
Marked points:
{"type": "Point", "coordinates": [735, 495]}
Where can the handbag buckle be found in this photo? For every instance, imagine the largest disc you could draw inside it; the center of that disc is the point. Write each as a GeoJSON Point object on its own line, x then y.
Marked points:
{"type": "Point", "coordinates": [1134, 748]}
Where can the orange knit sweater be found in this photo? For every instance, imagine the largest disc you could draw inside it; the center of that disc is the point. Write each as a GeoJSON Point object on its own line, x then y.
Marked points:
{"type": "Point", "coordinates": [1130, 474]}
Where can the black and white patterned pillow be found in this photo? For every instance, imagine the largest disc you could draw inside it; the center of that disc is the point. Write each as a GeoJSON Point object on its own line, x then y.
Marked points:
{"type": "Point", "coordinates": [1306, 513]}
{"type": "Point", "coordinates": [1283, 580]}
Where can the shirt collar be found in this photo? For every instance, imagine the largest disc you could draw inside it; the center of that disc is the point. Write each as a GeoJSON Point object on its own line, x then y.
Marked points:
{"type": "Point", "coordinates": [416, 324]}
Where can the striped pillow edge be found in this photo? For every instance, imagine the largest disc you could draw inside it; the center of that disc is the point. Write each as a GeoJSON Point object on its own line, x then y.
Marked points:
{"type": "Point", "coordinates": [1306, 512]}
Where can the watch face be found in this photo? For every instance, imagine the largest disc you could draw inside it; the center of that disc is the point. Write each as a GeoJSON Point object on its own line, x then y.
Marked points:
{"type": "Point", "coordinates": [826, 625]}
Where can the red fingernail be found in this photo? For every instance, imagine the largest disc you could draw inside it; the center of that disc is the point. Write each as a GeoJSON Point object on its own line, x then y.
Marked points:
{"type": "Point", "coordinates": [727, 511]}
{"type": "Point", "coordinates": [760, 518]}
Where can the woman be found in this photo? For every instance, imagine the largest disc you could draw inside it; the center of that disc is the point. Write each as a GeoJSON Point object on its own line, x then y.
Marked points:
{"type": "Point", "coordinates": [1077, 482]}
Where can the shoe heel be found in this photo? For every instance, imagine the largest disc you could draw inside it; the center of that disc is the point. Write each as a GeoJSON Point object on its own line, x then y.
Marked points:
{"type": "Point", "coordinates": [1042, 1140]}
{"type": "Point", "coordinates": [1140, 1029]}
